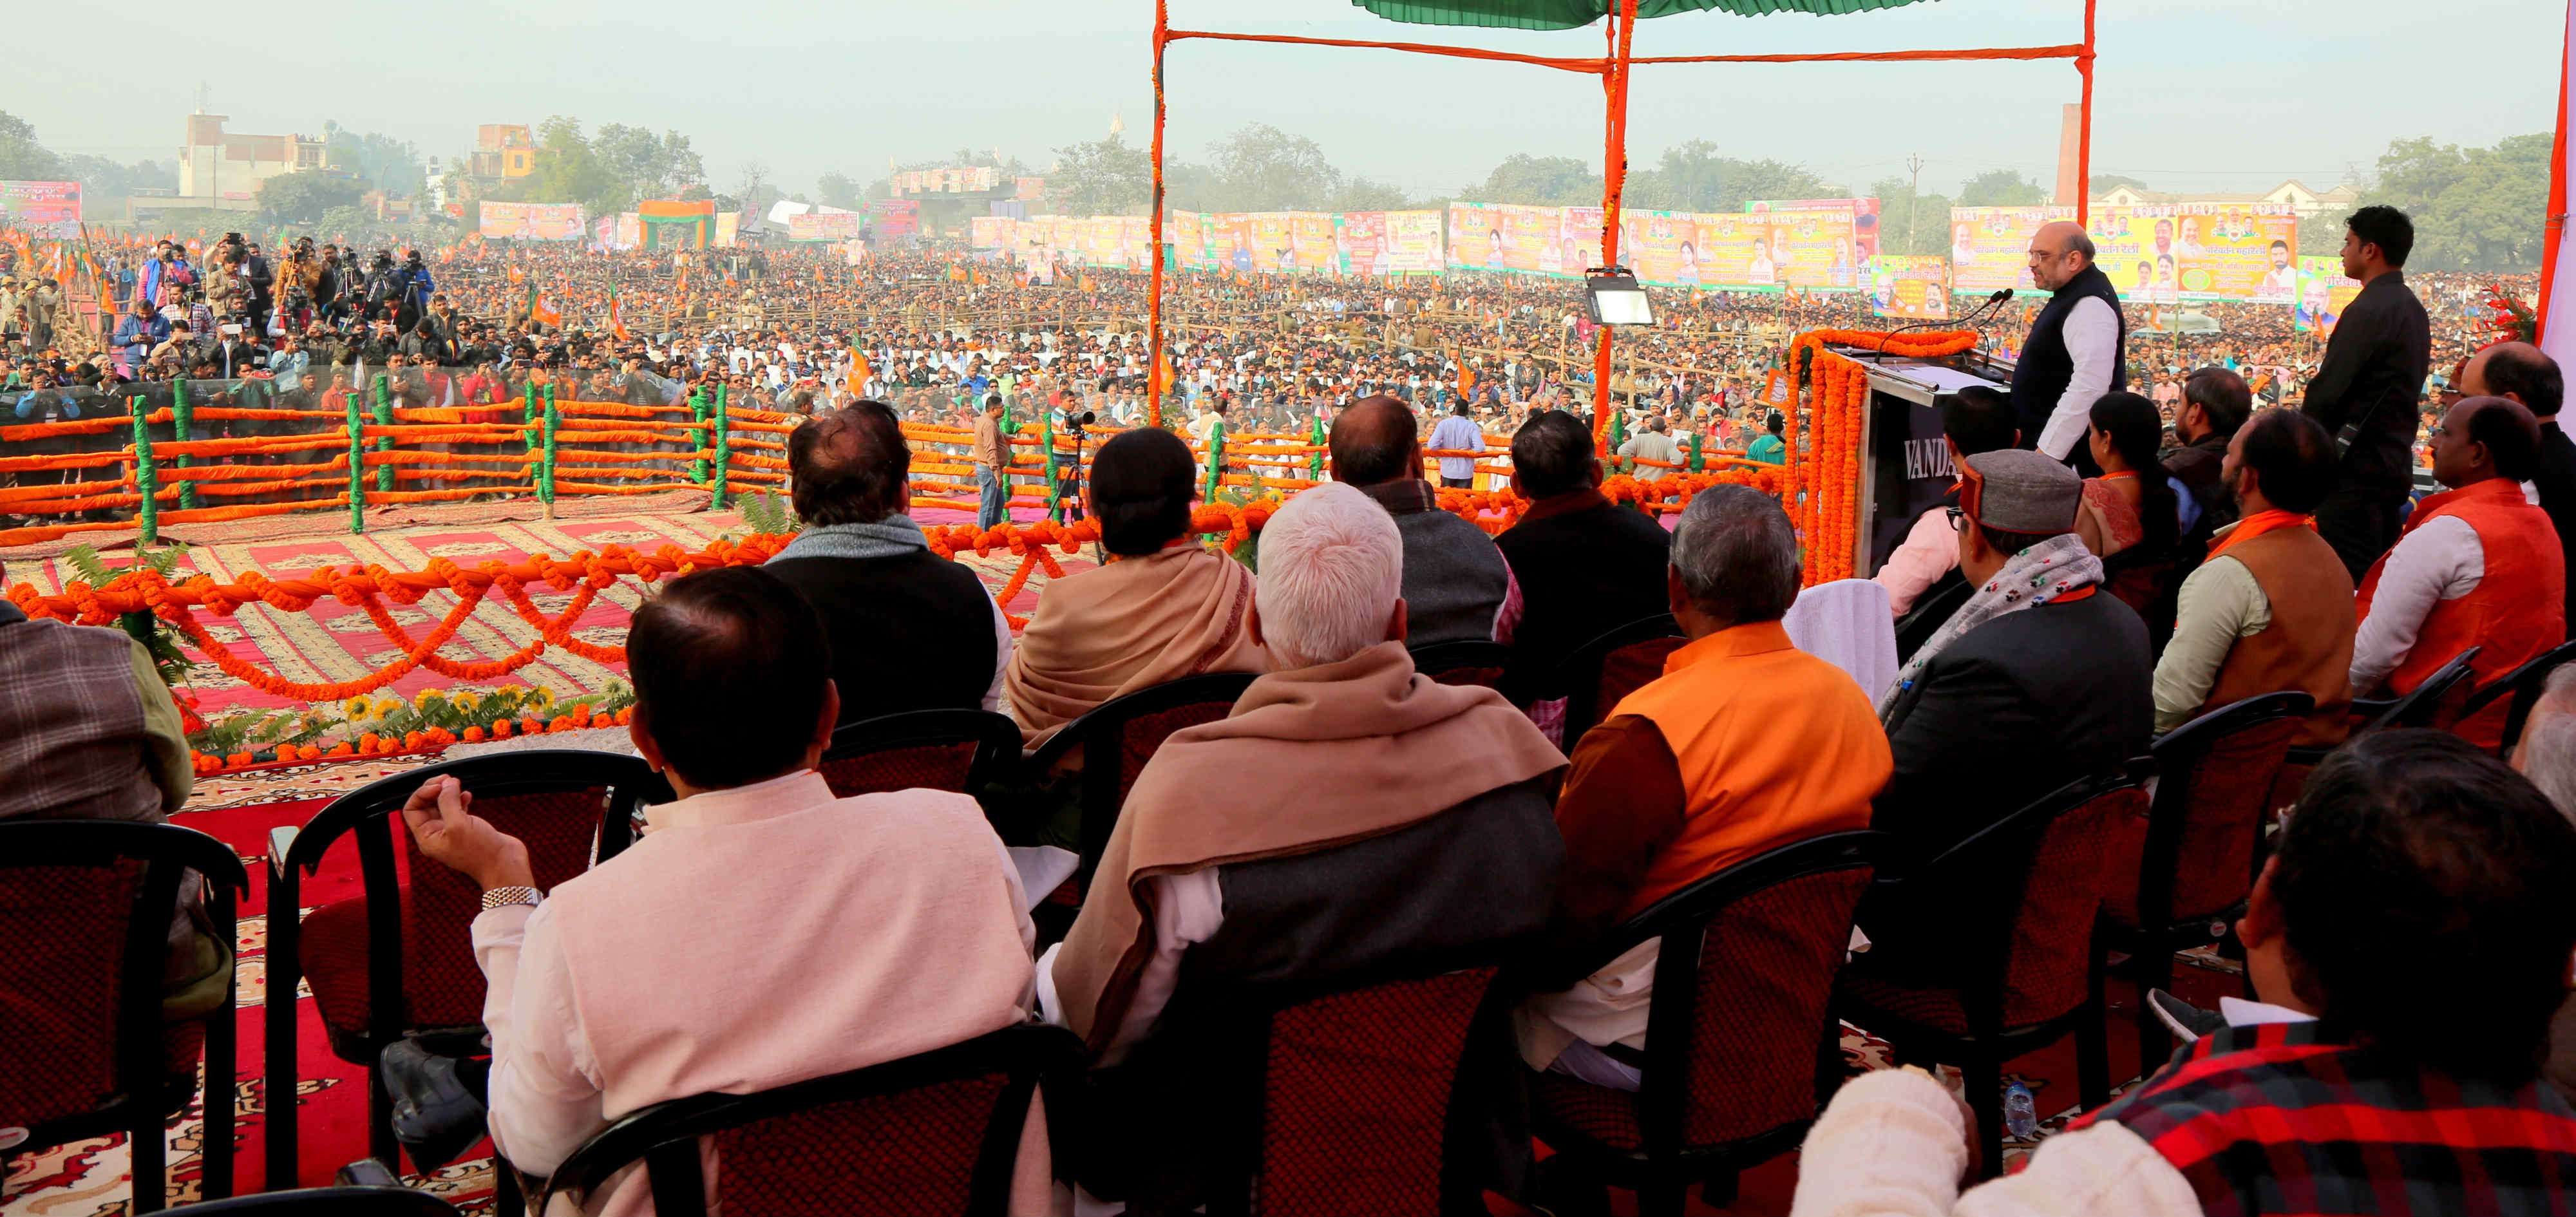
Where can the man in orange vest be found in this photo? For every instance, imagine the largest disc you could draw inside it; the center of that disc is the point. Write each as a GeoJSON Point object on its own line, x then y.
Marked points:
{"type": "Point", "coordinates": [2477, 566]}
{"type": "Point", "coordinates": [1743, 745]}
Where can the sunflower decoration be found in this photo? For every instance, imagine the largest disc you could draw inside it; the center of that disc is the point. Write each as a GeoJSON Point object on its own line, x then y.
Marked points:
{"type": "Point", "coordinates": [466, 700]}
{"type": "Point", "coordinates": [358, 710]}
{"type": "Point", "coordinates": [429, 698]}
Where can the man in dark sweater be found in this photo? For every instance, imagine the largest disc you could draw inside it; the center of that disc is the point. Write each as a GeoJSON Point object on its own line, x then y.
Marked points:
{"type": "Point", "coordinates": [1583, 565]}
{"type": "Point", "coordinates": [909, 630]}
{"type": "Point", "coordinates": [2518, 371]}
{"type": "Point", "coordinates": [2367, 389]}
{"type": "Point", "coordinates": [1455, 581]}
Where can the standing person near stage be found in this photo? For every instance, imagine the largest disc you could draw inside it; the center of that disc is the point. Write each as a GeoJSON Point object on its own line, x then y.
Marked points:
{"type": "Point", "coordinates": [1457, 433]}
{"type": "Point", "coordinates": [2075, 352]}
{"type": "Point", "coordinates": [992, 466]}
{"type": "Point", "coordinates": [2367, 390]}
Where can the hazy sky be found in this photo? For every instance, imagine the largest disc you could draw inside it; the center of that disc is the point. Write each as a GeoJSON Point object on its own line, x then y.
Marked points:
{"type": "Point", "coordinates": [2192, 94]}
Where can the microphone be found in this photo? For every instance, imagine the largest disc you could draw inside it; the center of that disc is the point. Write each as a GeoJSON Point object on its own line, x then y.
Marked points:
{"type": "Point", "coordinates": [2001, 295]}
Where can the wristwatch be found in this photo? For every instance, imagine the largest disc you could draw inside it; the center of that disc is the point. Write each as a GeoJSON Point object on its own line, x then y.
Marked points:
{"type": "Point", "coordinates": [504, 897]}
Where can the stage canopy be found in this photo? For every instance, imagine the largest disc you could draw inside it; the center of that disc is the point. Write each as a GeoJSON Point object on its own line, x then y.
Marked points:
{"type": "Point", "coordinates": [1571, 14]}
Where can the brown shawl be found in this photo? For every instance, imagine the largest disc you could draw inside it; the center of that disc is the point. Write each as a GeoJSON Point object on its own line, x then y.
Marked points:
{"type": "Point", "coordinates": [1342, 752]}
{"type": "Point", "coordinates": [1133, 624]}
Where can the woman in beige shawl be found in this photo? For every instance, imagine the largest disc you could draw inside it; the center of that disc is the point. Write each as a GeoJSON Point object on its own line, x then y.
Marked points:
{"type": "Point", "coordinates": [1164, 610]}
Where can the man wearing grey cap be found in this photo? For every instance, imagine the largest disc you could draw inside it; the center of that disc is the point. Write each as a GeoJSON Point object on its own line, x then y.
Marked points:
{"type": "Point", "coordinates": [2036, 681]}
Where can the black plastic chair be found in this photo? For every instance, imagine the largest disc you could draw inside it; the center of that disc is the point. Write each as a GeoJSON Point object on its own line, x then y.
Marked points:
{"type": "Point", "coordinates": [1613, 665]}
{"type": "Point", "coordinates": [1119, 735]}
{"type": "Point", "coordinates": [1931, 611]}
{"type": "Point", "coordinates": [421, 981]}
{"type": "Point", "coordinates": [1739, 1049]}
{"type": "Point", "coordinates": [119, 880]}
{"type": "Point", "coordinates": [2415, 709]}
{"type": "Point", "coordinates": [963, 750]}
{"type": "Point", "coordinates": [1467, 661]}
{"type": "Point", "coordinates": [2019, 899]}
{"type": "Point", "coordinates": [2525, 684]}
{"type": "Point", "coordinates": [936, 1132]}
{"type": "Point", "coordinates": [2214, 778]}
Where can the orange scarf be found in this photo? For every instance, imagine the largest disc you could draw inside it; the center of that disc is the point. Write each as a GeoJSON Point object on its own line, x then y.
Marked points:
{"type": "Point", "coordinates": [2259, 523]}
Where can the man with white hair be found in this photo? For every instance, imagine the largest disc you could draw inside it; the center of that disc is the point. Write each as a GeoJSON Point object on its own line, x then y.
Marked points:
{"type": "Point", "coordinates": [1400, 822]}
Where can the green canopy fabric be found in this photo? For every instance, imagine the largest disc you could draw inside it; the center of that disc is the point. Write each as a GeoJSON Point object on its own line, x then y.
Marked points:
{"type": "Point", "coordinates": [1572, 14]}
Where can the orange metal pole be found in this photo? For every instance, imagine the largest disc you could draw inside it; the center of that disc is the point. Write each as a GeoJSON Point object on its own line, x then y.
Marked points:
{"type": "Point", "coordinates": [1155, 388]}
{"type": "Point", "coordinates": [2084, 141]}
{"type": "Point", "coordinates": [1620, 33]}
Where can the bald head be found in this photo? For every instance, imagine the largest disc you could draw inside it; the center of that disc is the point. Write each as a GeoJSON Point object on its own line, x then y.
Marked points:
{"type": "Point", "coordinates": [1374, 441]}
{"type": "Point", "coordinates": [2516, 370]}
{"type": "Point", "coordinates": [2059, 251]}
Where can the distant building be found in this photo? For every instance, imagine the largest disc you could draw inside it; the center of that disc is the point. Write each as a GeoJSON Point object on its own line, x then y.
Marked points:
{"type": "Point", "coordinates": [2300, 197]}
{"type": "Point", "coordinates": [222, 170]}
{"type": "Point", "coordinates": [502, 151]}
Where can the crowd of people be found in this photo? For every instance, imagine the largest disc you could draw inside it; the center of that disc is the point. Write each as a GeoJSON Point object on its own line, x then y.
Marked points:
{"type": "Point", "coordinates": [2089, 583]}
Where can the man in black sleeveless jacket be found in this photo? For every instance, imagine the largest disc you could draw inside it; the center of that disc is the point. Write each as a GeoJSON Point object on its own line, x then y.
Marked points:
{"type": "Point", "coordinates": [2075, 351]}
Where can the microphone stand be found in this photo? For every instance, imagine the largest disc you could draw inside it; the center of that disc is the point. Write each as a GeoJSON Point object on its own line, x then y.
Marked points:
{"type": "Point", "coordinates": [1991, 301]}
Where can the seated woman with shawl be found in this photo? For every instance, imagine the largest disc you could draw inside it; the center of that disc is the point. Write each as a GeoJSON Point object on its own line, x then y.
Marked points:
{"type": "Point", "coordinates": [1162, 610]}
{"type": "Point", "coordinates": [2130, 516]}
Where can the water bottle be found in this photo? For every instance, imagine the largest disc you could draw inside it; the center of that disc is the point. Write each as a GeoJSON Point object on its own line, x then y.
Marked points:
{"type": "Point", "coordinates": [2021, 1114]}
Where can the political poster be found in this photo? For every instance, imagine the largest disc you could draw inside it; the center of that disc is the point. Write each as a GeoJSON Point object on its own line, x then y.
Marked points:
{"type": "Point", "coordinates": [1186, 231]}
{"type": "Point", "coordinates": [1312, 246]}
{"type": "Point", "coordinates": [893, 217]}
{"type": "Point", "coordinates": [1413, 242]}
{"type": "Point", "coordinates": [1863, 214]}
{"type": "Point", "coordinates": [1266, 237]}
{"type": "Point", "coordinates": [1507, 237]}
{"type": "Point", "coordinates": [2199, 251]}
{"type": "Point", "coordinates": [1028, 189]}
{"type": "Point", "coordinates": [989, 232]}
{"type": "Point", "coordinates": [2323, 294]}
{"type": "Point", "coordinates": [1990, 246]}
{"type": "Point", "coordinates": [1578, 243]}
{"type": "Point", "coordinates": [1663, 245]}
{"type": "Point", "coordinates": [1736, 252]}
{"type": "Point", "coordinates": [728, 229]}
{"type": "Point", "coordinates": [46, 209]}
{"type": "Point", "coordinates": [1912, 286]}
{"type": "Point", "coordinates": [824, 226]}
{"type": "Point", "coordinates": [1814, 250]}
{"type": "Point", "coordinates": [531, 221]}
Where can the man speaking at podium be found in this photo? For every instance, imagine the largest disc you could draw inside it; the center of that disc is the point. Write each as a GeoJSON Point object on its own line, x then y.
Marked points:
{"type": "Point", "coordinates": [2074, 353]}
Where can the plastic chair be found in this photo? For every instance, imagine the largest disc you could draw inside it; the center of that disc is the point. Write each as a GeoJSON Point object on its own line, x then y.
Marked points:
{"type": "Point", "coordinates": [1615, 664]}
{"type": "Point", "coordinates": [1344, 1091]}
{"type": "Point", "coordinates": [2024, 967]}
{"type": "Point", "coordinates": [934, 1133]}
{"type": "Point", "coordinates": [1119, 735]}
{"type": "Point", "coordinates": [2415, 709]}
{"type": "Point", "coordinates": [962, 750]}
{"type": "Point", "coordinates": [86, 907]}
{"type": "Point", "coordinates": [2181, 875]}
{"type": "Point", "coordinates": [400, 958]}
{"type": "Point", "coordinates": [2525, 684]}
{"type": "Point", "coordinates": [1931, 611]}
{"type": "Point", "coordinates": [1468, 661]}
{"type": "Point", "coordinates": [1736, 1036]}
